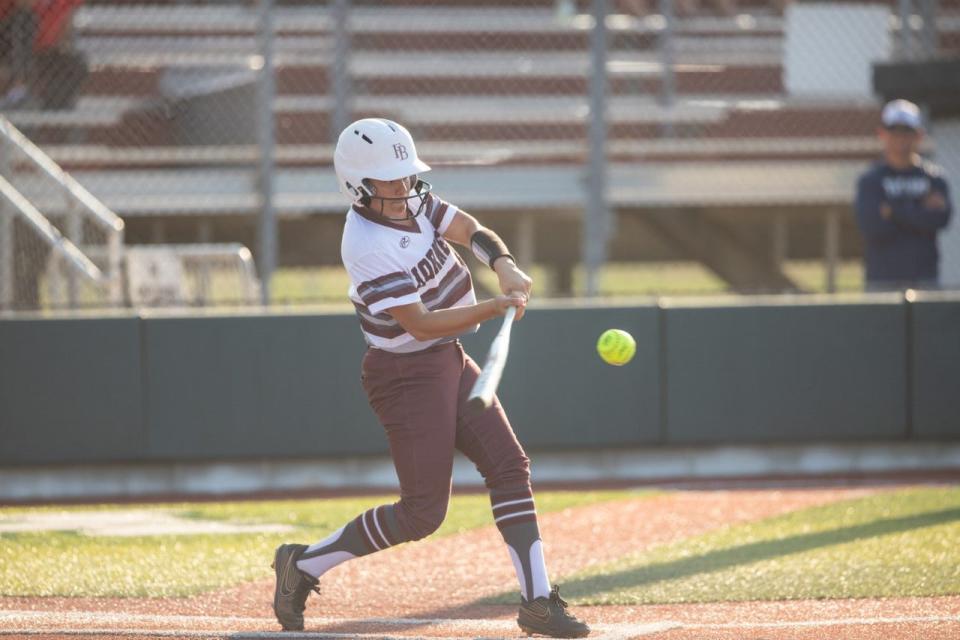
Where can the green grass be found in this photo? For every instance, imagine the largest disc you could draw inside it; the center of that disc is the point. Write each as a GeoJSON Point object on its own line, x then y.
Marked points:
{"type": "Point", "coordinates": [329, 284]}
{"type": "Point", "coordinates": [904, 544]}
{"type": "Point", "coordinates": [66, 563]}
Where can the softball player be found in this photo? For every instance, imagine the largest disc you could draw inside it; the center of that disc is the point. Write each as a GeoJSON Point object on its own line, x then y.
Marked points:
{"type": "Point", "coordinates": [413, 296]}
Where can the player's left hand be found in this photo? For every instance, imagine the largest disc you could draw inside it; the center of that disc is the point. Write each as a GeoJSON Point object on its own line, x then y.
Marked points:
{"type": "Point", "coordinates": [511, 277]}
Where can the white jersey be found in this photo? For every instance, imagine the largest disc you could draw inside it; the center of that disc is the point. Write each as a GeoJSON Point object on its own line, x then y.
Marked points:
{"type": "Point", "coordinates": [392, 265]}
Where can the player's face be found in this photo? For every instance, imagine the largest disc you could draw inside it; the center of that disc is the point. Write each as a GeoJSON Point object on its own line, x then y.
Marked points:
{"type": "Point", "coordinates": [900, 143]}
{"type": "Point", "coordinates": [386, 189]}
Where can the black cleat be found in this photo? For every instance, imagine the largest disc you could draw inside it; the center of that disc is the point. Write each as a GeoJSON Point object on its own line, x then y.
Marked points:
{"type": "Point", "coordinates": [549, 617]}
{"type": "Point", "coordinates": [293, 587]}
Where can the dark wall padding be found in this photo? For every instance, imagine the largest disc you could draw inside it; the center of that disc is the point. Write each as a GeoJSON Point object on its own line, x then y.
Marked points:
{"type": "Point", "coordinates": [559, 394]}
{"type": "Point", "coordinates": [70, 390]}
{"type": "Point", "coordinates": [803, 372]}
{"type": "Point", "coordinates": [252, 386]}
{"type": "Point", "coordinates": [198, 387]}
{"type": "Point", "coordinates": [935, 369]}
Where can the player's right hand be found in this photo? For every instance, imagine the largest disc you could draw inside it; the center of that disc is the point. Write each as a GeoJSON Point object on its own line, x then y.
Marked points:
{"type": "Point", "coordinates": [514, 299]}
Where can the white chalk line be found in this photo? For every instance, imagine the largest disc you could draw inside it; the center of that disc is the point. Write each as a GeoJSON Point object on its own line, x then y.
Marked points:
{"type": "Point", "coordinates": [837, 622]}
{"type": "Point", "coordinates": [86, 623]}
{"type": "Point", "coordinates": [81, 623]}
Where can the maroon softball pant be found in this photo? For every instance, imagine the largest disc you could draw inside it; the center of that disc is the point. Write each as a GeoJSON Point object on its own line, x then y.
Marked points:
{"type": "Point", "coordinates": [420, 399]}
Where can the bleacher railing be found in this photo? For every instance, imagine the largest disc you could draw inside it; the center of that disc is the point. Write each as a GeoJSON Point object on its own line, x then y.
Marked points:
{"type": "Point", "coordinates": [24, 162]}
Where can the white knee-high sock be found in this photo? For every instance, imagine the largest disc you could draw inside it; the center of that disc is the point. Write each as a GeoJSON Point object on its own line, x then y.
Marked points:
{"type": "Point", "coordinates": [373, 530]}
{"type": "Point", "coordinates": [516, 517]}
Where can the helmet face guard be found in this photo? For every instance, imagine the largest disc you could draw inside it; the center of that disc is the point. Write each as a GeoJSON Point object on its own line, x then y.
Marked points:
{"type": "Point", "coordinates": [417, 192]}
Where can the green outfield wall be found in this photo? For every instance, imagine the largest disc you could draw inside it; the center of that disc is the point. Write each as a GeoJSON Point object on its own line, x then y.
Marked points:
{"type": "Point", "coordinates": [775, 372]}
{"type": "Point", "coordinates": [934, 369]}
{"type": "Point", "coordinates": [71, 390]}
{"type": "Point", "coordinates": [199, 387]}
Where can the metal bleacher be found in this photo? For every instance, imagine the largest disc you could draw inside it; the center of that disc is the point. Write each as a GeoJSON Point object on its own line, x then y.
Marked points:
{"type": "Point", "coordinates": [117, 129]}
{"type": "Point", "coordinates": [733, 136]}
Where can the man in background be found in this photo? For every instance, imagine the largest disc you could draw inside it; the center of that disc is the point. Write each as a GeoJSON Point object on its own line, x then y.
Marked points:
{"type": "Point", "coordinates": [902, 202]}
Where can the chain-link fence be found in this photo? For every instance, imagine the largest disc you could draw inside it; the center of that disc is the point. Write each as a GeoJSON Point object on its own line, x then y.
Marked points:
{"type": "Point", "coordinates": [724, 133]}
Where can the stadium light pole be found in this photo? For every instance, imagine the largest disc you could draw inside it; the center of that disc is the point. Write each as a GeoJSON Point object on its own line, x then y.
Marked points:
{"type": "Point", "coordinates": [597, 218]}
{"type": "Point", "coordinates": [267, 230]}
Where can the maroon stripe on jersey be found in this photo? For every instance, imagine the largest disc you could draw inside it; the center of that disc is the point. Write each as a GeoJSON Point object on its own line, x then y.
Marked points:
{"type": "Point", "coordinates": [372, 527]}
{"type": "Point", "coordinates": [396, 292]}
{"type": "Point", "coordinates": [456, 271]}
{"type": "Point", "coordinates": [438, 213]}
{"type": "Point", "coordinates": [383, 317]}
{"type": "Point", "coordinates": [503, 510]}
{"type": "Point", "coordinates": [508, 522]}
{"type": "Point", "coordinates": [389, 280]}
{"type": "Point", "coordinates": [358, 523]}
{"type": "Point", "coordinates": [381, 515]}
{"type": "Point", "coordinates": [455, 294]}
{"type": "Point", "coordinates": [379, 330]}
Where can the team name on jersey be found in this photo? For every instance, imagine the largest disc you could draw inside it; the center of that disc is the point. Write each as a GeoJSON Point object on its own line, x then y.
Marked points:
{"type": "Point", "coordinates": [432, 262]}
{"type": "Point", "coordinates": [906, 186]}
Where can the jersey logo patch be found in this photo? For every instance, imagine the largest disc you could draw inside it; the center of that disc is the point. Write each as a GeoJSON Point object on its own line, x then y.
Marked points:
{"type": "Point", "coordinates": [404, 242]}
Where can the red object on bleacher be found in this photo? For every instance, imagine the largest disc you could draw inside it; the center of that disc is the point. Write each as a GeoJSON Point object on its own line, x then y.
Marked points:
{"type": "Point", "coordinates": [53, 17]}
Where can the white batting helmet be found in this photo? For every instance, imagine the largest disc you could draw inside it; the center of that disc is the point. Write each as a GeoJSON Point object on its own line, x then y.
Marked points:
{"type": "Point", "coordinates": [374, 148]}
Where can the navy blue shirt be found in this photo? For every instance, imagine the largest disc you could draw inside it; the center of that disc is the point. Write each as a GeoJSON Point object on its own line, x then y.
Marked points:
{"type": "Point", "coordinates": [903, 247]}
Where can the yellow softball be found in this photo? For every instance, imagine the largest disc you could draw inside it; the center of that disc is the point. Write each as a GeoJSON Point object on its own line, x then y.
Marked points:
{"type": "Point", "coordinates": [616, 347]}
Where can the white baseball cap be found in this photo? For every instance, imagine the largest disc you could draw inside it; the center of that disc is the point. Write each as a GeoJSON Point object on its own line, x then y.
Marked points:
{"type": "Point", "coordinates": [901, 113]}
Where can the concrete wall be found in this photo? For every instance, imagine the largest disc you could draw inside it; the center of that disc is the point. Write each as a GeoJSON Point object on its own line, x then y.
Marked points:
{"type": "Point", "coordinates": [255, 386]}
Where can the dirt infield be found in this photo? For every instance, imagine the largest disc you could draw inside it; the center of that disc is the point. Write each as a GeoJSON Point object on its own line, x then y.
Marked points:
{"type": "Point", "coordinates": [433, 588]}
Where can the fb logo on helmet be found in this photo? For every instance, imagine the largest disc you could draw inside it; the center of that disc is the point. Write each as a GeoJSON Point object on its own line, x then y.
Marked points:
{"type": "Point", "coordinates": [400, 151]}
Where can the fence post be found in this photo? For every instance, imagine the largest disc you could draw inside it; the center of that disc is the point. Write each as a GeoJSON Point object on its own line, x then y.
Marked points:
{"type": "Point", "coordinates": [75, 235]}
{"type": "Point", "coordinates": [668, 82]}
{"type": "Point", "coordinates": [906, 35]}
{"type": "Point", "coordinates": [340, 69]}
{"type": "Point", "coordinates": [831, 243]}
{"type": "Point", "coordinates": [267, 236]}
{"type": "Point", "coordinates": [6, 255]}
{"type": "Point", "coordinates": [596, 219]}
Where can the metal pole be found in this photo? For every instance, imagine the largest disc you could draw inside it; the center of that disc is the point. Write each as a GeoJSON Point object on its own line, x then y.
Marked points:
{"type": "Point", "coordinates": [929, 40]}
{"type": "Point", "coordinates": [6, 238]}
{"type": "Point", "coordinates": [831, 249]}
{"type": "Point", "coordinates": [75, 235]}
{"type": "Point", "coordinates": [6, 256]}
{"type": "Point", "coordinates": [906, 38]}
{"type": "Point", "coordinates": [267, 239]}
{"type": "Point", "coordinates": [340, 69]}
{"type": "Point", "coordinates": [668, 81]}
{"type": "Point", "coordinates": [6, 235]}
{"type": "Point", "coordinates": [596, 221]}
{"type": "Point", "coordinates": [781, 239]}
{"type": "Point", "coordinates": [115, 253]}
{"type": "Point", "coordinates": [525, 240]}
